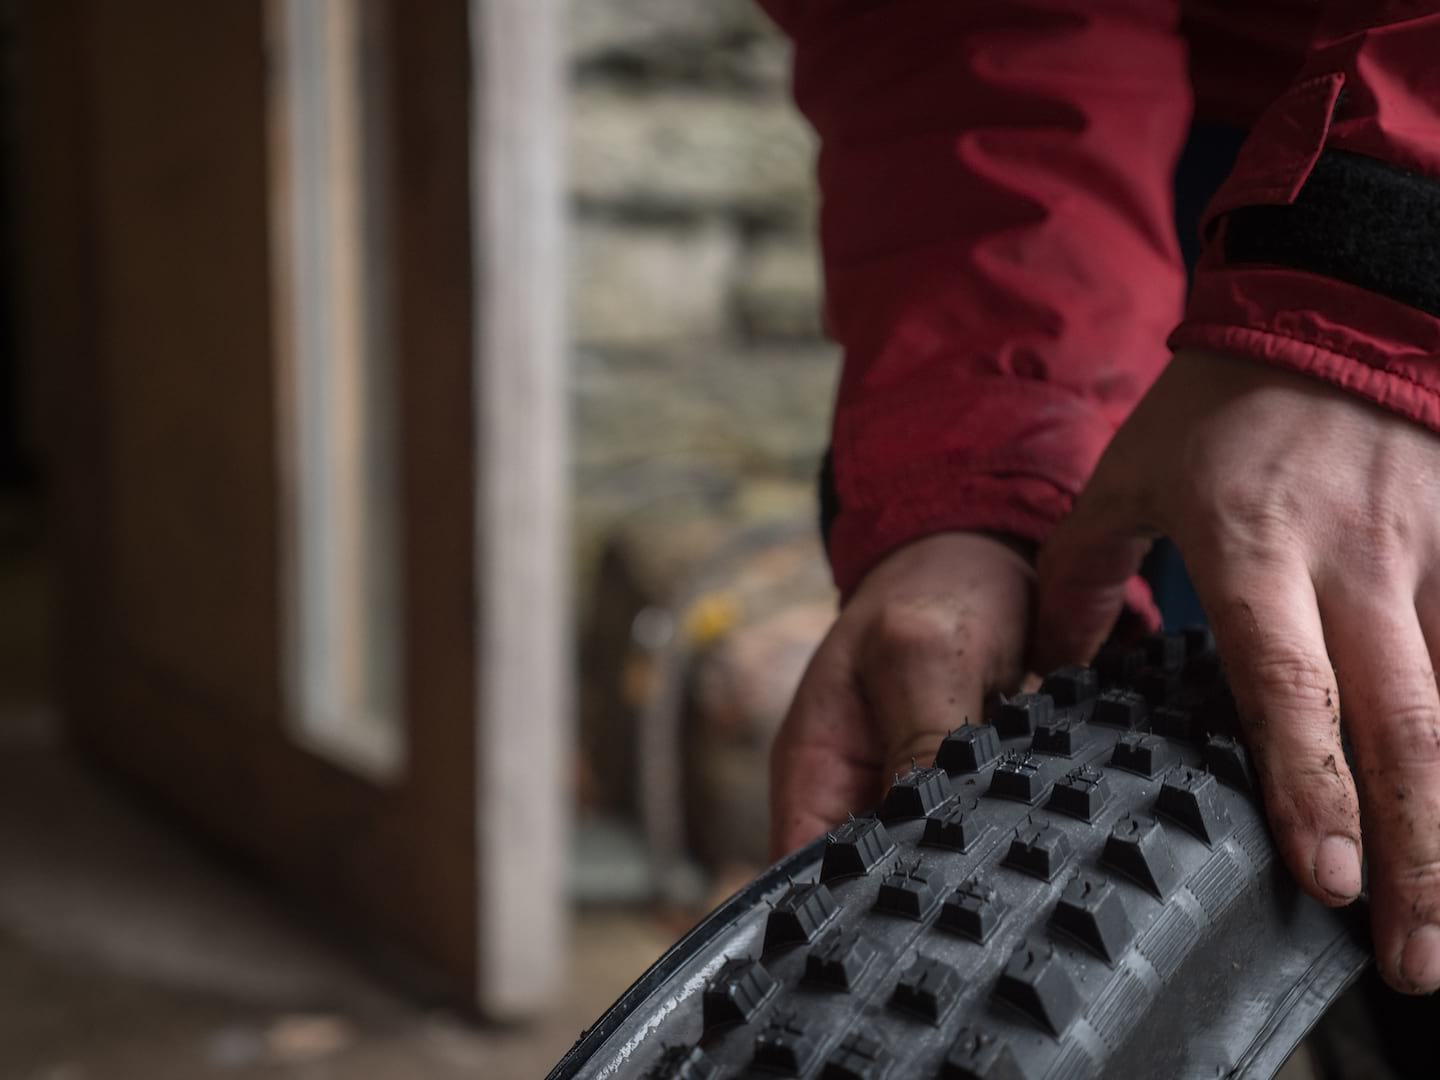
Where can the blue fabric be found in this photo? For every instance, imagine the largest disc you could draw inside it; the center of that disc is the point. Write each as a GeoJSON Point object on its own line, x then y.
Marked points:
{"type": "Point", "coordinates": [1204, 164]}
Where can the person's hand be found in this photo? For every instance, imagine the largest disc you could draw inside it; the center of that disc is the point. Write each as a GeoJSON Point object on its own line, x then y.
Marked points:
{"type": "Point", "coordinates": [1310, 523]}
{"type": "Point", "coordinates": [930, 630]}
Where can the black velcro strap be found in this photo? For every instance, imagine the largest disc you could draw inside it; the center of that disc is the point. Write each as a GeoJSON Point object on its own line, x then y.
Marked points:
{"type": "Point", "coordinates": [829, 495]}
{"type": "Point", "coordinates": [1358, 220]}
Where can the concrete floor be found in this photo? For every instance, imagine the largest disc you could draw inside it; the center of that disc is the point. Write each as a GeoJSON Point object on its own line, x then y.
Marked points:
{"type": "Point", "coordinates": [126, 953]}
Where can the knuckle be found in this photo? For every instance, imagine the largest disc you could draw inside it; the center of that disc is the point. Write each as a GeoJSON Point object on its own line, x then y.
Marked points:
{"type": "Point", "coordinates": [1312, 780]}
{"type": "Point", "coordinates": [1380, 541]}
{"type": "Point", "coordinates": [1421, 876]}
{"type": "Point", "coordinates": [1240, 519]}
{"type": "Point", "coordinates": [1287, 679]}
{"type": "Point", "coordinates": [1416, 883]}
{"type": "Point", "coordinates": [903, 630]}
{"type": "Point", "coordinates": [1372, 554]}
{"type": "Point", "coordinates": [1412, 731]}
{"type": "Point", "coordinates": [1308, 793]}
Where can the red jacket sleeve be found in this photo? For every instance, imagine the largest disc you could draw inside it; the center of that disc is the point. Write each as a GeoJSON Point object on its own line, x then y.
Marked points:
{"type": "Point", "coordinates": [1000, 260]}
{"type": "Point", "coordinates": [1323, 247]}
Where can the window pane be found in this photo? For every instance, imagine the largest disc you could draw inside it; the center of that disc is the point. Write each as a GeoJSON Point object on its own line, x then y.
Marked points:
{"type": "Point", "coordinates": [331, 236]}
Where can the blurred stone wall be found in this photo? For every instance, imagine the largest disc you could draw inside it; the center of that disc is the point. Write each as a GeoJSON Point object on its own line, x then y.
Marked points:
{"type": "Point", "coordinates": [701, 390]}
{"type": "Point", "coordinates": [701, 381]}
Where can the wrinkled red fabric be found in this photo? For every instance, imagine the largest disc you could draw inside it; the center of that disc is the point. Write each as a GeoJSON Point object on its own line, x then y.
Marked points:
{"type": "Point", "coordinates": [1370, 85]}
{"type": "Point", "coordinates": [997, 230]}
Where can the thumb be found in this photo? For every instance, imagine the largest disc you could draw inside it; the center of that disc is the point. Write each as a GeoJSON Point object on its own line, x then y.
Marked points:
{"type": "Point", "coordinates": [1085, 569]}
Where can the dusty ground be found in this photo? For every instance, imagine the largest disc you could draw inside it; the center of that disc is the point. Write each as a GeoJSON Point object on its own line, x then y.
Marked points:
{"type": "Point", "coordinates": [125, 952]}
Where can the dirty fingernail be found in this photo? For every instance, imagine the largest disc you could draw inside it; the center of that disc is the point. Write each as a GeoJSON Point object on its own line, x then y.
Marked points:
{"type": "Point", "coordinates": [1420, 962]}
{"type": "Point", "coordinates": [1337, 867]}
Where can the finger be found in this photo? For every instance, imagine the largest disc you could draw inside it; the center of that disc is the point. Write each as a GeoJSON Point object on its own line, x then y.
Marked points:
{"type": "Point", "coordinates": [1267, 627]}
{"type": "Point", "coordinates": [826, 760]}
{"type": "Point", "coordinates": [1085, 568]}
{"type": "Point", "coordinates": [1392, 714]}
{"type": "Point", "coordinates": [924, 668]}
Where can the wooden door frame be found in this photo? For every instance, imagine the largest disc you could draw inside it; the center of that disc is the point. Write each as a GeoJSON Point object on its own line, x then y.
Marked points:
{"type": "Point", "coordinates": [462, 861]}
{"type": "Point", "coordinates": [523, 659]}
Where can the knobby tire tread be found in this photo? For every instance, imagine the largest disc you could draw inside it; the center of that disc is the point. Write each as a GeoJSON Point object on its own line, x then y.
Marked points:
{"type": "Point", "coordinates": [1083, 886]}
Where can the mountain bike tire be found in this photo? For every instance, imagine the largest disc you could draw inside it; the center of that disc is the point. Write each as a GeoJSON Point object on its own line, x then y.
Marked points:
{"type": "Point", "coordinates": [1083, 886]}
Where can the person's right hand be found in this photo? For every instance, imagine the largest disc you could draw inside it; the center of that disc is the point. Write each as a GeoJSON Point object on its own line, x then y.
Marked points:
{"type": "Point", "coordinates": [932, 628]}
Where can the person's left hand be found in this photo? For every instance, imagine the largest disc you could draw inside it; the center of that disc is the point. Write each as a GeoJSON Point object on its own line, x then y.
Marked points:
{"type": "Point", "coordinates": [1310, 523]}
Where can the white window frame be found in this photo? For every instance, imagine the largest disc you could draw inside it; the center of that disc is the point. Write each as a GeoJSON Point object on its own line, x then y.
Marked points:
{"type": "Point", "coordinates": [331, 253]}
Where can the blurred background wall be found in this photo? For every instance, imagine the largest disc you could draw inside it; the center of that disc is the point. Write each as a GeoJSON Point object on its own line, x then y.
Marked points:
{"type": "Point", "coordinates": [701, 380]}
{"type": "Point", "coordinates": [699, 386]}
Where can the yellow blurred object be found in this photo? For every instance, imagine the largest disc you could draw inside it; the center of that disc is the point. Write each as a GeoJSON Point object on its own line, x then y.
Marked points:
{"type": "Point", "coordinates": [712, 616]}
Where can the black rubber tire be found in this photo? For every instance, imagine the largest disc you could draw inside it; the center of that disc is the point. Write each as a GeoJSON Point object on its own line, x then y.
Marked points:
{"type": "Point", "coordinates": [1083, 886]}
